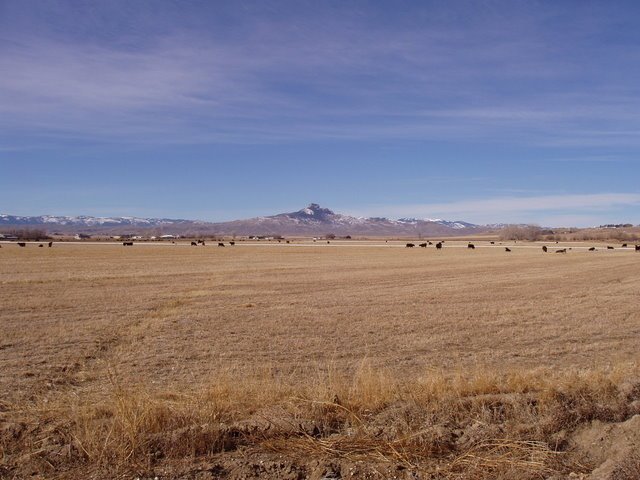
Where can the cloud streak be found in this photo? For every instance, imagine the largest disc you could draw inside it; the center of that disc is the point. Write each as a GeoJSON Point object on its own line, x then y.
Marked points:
{"type": "Point", "coordinates": [293, 79]}
{"type": "Point", "coordinates": [548, 208]}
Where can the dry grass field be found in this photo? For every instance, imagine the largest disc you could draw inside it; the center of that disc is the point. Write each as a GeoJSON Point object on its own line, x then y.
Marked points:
{"type": "Point", "coordinates": [308, 361]}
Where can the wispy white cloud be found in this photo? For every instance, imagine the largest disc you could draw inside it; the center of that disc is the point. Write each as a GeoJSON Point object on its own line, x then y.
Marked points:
{"type": "Point", "coordinates": [293, 79]}
{"type": "Point", "coordinates": [551, 210]}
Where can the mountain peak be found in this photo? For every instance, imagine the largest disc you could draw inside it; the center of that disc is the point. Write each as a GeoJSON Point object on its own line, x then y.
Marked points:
{"type": "Point", "coordinates": [313, 213]}
{"type": "Point", "coordinates": [311, 220]}
{"type": "Point", "coordinates": [316, 210]}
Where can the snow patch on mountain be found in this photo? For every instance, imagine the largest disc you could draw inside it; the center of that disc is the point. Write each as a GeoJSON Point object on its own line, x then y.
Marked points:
{"type": "Point", "coordinates": [85, 221]}
{"type": "Point", "coordinates": [311, 219]}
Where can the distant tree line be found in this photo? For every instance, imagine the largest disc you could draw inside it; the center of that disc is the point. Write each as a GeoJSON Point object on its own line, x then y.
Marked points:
{"type": "Point", "coordinates": [617, 225]}
{"type": "Point", "coordinates": [33, 234]}
{"type": "Point", "coordinates": [522, 232]}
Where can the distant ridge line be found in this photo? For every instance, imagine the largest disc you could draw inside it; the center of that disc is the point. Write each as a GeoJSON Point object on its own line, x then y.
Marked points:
{"type": "Point", "coordinates": [311, 220]}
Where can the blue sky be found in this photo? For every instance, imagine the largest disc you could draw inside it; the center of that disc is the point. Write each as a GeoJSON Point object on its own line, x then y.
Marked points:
{"type": "Point", "coordinates": [483, 111]}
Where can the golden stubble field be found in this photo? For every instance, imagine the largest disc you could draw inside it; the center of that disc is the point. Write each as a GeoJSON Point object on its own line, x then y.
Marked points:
{"type": "Point", "coordinates": [80, 322]}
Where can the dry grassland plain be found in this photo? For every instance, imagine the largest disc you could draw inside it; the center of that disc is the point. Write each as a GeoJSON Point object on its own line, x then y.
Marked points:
{"type": "Point", "coordinates": [309, 361]}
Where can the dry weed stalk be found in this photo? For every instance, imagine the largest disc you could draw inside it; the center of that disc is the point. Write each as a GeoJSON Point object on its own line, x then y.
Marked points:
{"type": "Point", "coordinates": [503, 454]}
{"type": "Point", "coordinates": [448, 422]}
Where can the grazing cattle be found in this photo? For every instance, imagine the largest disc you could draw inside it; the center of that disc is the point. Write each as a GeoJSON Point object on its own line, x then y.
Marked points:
{"type": "Point", "coordinates": [410, 245]}
{"type": "Point", "coordinates": [609, 247]}
{"type": "Point", "coordinates": [423, 245]}
{"type": "Point", "coordinates": [472, 246]}
{"type": "Point", "coordinates": [430, 243]}
{"type": "Point", "coordinates": [439, 245]}
{"type": "Point", "coordinates": [492, 243]}
{"type": "Point", "coordinates": [41, 245]}
{"type": "Point", "coordinates": [232, 243]}
{"type": "Point", "coordinates": [563, 250]}
{"type": "Point", "coordinates": [507, 249]}
{"type": "Point", "coordinates": [288, 241]}
{"type": "Point", "coordinates": [22, 244]}
{"type": "Point", "coordinates": [624, 245]}
{"type": "Point", "coordinates": [50, 244]}
{"type": "Point", "coordinates": [592, 249]}
{"type": "Point", "coordinates": [220, 244]}
{"type": "Point", "coordinates": [194, 244]}
{"type": "Point", "coordinates": [544, 248]}
{"type": "Point", "coordinates": [328, 241]}
{"type": "Point", "coordinates": [637, 248]}
{"type": "Point", "coordinates": [127, 244]}
{"type": "Point", "coordinates": [200, 241]}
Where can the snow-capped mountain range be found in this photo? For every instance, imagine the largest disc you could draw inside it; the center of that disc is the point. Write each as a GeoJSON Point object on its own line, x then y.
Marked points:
{"type": "Point", "coordinates": [85, 221]}
{"type": "Point", "coordinates": [311, 220]}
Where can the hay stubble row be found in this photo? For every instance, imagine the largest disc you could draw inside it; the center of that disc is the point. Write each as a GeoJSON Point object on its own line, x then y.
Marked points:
{"type": "Point", "coordinates": [177, 314]}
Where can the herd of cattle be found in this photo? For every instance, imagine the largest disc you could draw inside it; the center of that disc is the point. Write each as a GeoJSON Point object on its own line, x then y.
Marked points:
{"type": "Point", "coordinates": [438, 245]}
{"type": "Point", "coordinates": [545, 249]}
{"type": "Point", "coordinates": [424, 245]}
{"type": "Point", "coordinates": [24, 244]}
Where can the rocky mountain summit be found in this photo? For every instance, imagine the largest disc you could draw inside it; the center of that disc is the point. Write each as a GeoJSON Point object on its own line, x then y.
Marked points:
{"type": "Point", "coordinates": [311, 220]}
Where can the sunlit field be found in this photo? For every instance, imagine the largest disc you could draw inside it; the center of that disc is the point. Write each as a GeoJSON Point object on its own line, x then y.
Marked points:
{"type": "Point", "coordinates": [308, 359]}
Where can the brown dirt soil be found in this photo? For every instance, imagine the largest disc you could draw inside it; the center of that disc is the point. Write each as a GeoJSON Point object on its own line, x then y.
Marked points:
{"type": "Point", "coordinates": [319, 362]}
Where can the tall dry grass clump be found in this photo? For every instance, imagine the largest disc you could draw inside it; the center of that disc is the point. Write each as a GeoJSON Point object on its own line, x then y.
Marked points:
{"type": "Point", "coordinates": [462, 425]}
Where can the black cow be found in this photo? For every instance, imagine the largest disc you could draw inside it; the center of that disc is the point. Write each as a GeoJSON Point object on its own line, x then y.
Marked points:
{"type": "Point", "coordinates": [609, 247]}
{"type": "Point", "coordinates": [423, 245]}
{"type": "Point", "coordinates": [288, 241]}
{"type": "Point", "coordinates": [220, 244]}
{"type": "Point", "coordinates": [22, 244]}
{"type": "Point", "coordinates": [624, 245]}
{"type": "Point", "coordinates": [127, 244]}
{"type": "Point", "coordinates": [563, 250]}
{"type": "Point", "coordinates": [637, 248]}
{"type": "Point", "coordinates": [544, 248]}
{"type": "Point", "coordinates": [592, 249]}
{"type": "Point", "coordinates": [507, 249]}
{"type": "Point", "coordinates": [492, 243]}
{"type": "Point", "coordinates": [430, 243]}
{"type": "Point", "coordinates": [410, 245]}
{"type": "Point", "coordinates": [232, 243]}
{"type": "Point", "coordinates": [194, 244]}
{"type": "Point", "coordinates": [41, 245]}
{"type": "Point", "coordinates": [50, 244]}
{"type": "Point", "coordinates": [439, 245]}
{"type": "Point", "coordinates": [200, 241]}
{"type": "Point", "coordinates": [472, 246]}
